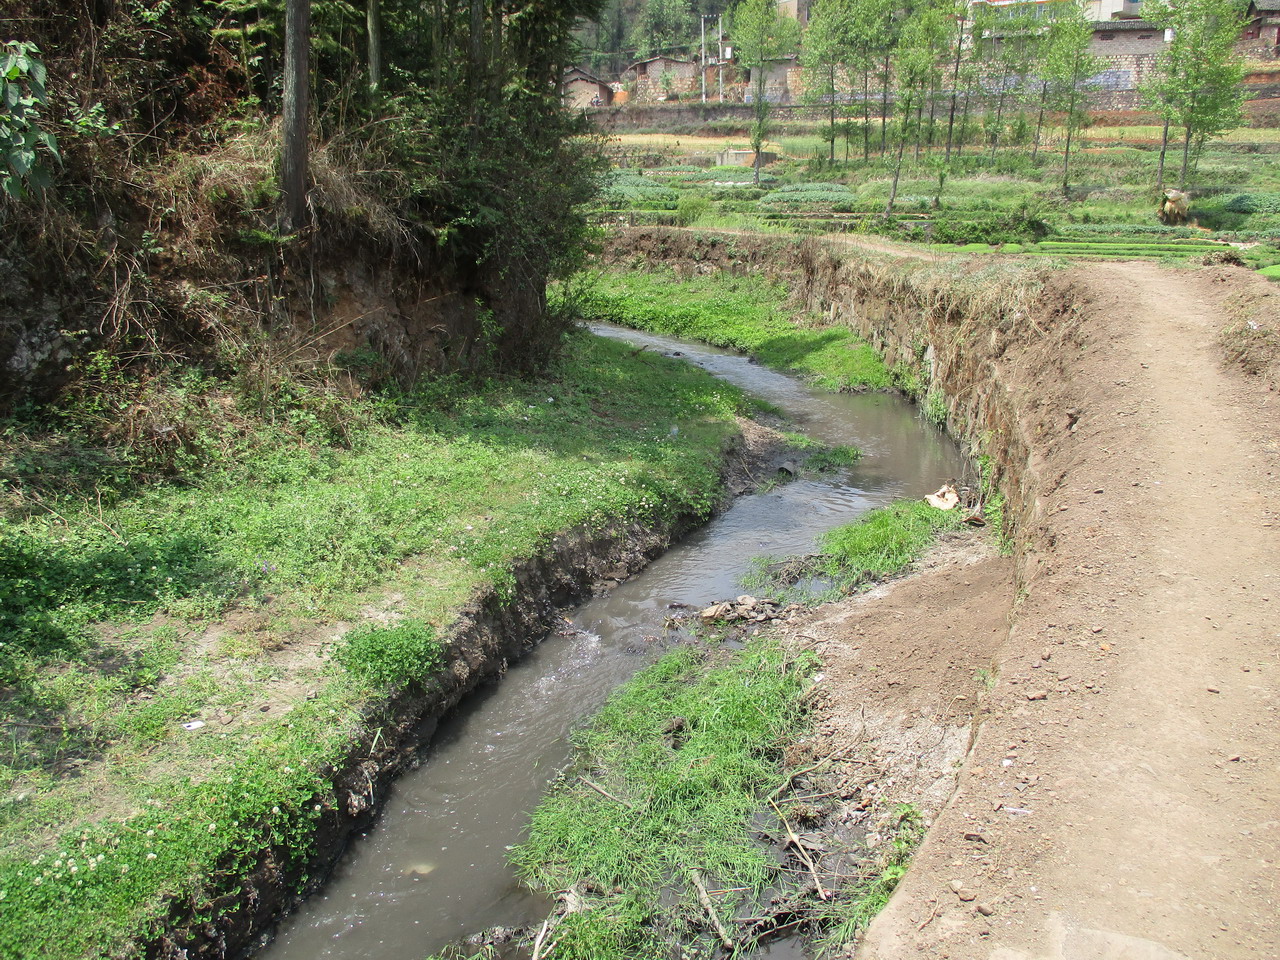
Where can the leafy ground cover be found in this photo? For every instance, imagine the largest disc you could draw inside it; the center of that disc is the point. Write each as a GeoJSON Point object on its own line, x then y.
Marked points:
{"type": "Point", "coordinates": [665, 786]}
{"type": "Point", "coordinates": [221, 601]}
{"type": "Point", "coordinates": [744, 313]}
{"type": "Point", "coordinates": [879, 545]}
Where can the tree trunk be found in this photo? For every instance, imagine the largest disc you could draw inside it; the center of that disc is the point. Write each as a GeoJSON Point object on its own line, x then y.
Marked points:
{"type": "Point", "coordinates": [297, 91]}
{"type": "Point", "coordinates": [995, 137]}
{"type": "Point", "coordinates": [866, 113]}
{"type": "Point", "coordinates": [955, 87]}
{"type": "Point", "coordinates": [884, 107]}
{"type": "Point", "coordinates": [897, 171]}
{"type": "Point", "coordinates": [1164, 148]}
{"type": "Point", "coordinates": [1066, 156]}
{"type": "Point", "coordinates": [832, 77]}
{"type": "Point", "coordinates": [373, 23]}
{"type": "Point", "coordinates": [475, 59]}
{"type": "Point", "coordinates": [964, 117]}
{"type": "Point", "coordinates": [919, 130]}
{"type": "Point", "coordinates": [1044, 96]}
{"type": "Point", "coordinates": [1186, 154]}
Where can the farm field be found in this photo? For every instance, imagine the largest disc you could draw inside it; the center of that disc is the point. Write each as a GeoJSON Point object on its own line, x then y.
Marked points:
{"type": "Point", "coordinates": [980, 201]}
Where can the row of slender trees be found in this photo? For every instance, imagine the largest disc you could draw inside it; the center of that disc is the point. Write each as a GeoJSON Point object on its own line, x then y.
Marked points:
{"type": "Point", "coordinates": [930, 75]}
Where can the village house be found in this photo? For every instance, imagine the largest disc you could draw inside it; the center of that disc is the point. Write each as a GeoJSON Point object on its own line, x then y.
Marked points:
{"type": "Point", "coordinates": [783, 81]}
{"type": "Point", "coordinates": [1261, 37]}
{"type": "Point", "coordinates": [581, 89]}
{"type": "Point", "coordinates": [662, 78]}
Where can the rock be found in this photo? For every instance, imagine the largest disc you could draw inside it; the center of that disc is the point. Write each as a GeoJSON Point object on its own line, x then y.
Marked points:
{"type": "Point", "coordinates": [985, 909]}
{"type": "Point", "coordinates": [975, 837]}
{"type": "Point", "coordinates": [963, 892]}
{"type": "Point", "coordinates": [788, 467]}
{"type": "Point", "coordinates": [1038, 695]}
{"type": "Point", "coordinates": [716, 611]}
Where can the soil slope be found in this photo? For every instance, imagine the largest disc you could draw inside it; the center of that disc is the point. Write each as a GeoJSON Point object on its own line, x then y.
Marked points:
{"type": "Point", "coordinates": [1123, 797]}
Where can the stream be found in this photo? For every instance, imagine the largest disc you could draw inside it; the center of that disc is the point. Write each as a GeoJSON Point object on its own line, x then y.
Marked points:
{"type": "Point", "coordinates": [433, 869]}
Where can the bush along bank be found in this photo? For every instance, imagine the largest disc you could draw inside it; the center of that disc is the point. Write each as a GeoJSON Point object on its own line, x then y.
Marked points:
{"type": "Point", "coordinates": [194, 725]}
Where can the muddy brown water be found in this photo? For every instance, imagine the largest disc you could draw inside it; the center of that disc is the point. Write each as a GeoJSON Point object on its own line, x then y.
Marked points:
{"type": "Point", "coordinates": [433, 869]}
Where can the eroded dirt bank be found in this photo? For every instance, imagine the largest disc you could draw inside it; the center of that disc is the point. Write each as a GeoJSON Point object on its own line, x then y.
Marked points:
{"type": "Point", "coordinates": [1124, 783]}
{"type": "Point", "coordinates": [1120, 798]}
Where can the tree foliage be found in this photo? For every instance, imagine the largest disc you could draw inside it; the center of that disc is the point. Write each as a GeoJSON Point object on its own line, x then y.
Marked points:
{"type": "Point", "coordinates": [25, 147]}
{"type": "Point", "coordinates": [1196, 86]}
{"type": "Point", "coordinates": [763, 37]}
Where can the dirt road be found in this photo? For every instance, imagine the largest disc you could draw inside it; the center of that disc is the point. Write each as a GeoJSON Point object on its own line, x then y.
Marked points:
{"type": "Point", "coordinates": [1123, 796]}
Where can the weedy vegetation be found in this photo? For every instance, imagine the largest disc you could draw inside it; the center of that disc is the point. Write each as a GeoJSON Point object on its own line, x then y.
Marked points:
{"type": "Point", "coordinates": [748, 313]}
{"type": "Point", "coordinates": [132, 608]}
{"type": "Point", "coordinates": [666, 785]}
{"type": "Point", "coordinates": [879, 545]}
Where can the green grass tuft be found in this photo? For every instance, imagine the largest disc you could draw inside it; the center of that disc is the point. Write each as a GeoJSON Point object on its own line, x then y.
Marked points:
{"type": "Point", "coordinates": [687, 748]}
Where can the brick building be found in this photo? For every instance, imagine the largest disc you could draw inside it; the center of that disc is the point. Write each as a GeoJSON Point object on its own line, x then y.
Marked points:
{"type": "Point", "coordinates": [662, 78]}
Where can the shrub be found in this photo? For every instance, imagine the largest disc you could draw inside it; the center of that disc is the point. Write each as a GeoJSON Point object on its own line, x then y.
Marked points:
{"type": "Point", "coordinates": [691, 208]}
{"type": "Point", "coordinates": [1253, 203]}
{"type": "Point", "coordinates": [390, 656]}
{"type": "Point", "coordinates": [1012, 227]}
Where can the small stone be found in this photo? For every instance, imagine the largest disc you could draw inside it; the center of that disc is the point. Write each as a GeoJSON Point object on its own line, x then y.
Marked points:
{"type": "Point", "coordinates": [966, 895]}
{"type": "Point", "coordinates": [265, 707]}
{"type": "Point", "coordinates": [1038, 695]}
{"type": "Point", "coordinates": [1213, 689]}
{"type": "Point", "coordinates": [976, 837]}
{"type": "Point", "coordinates": [1234, 759]}
{"type": "Point", "coordinates": [985, 909]}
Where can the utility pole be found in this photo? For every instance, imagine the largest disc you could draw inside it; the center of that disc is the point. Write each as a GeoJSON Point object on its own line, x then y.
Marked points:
{"type": "Point", "coordinates": [720, 57]}
{"type": "Point", "coordinates": [702, 61]}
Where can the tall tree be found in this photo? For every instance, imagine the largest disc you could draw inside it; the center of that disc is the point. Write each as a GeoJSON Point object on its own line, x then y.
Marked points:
{"type": "Point", "coordinates": [1196, 86]}
{"type": "Point", "coordinates": [294, 127]}
{"type": "Point", "coordinates": [870, 37]}
{"type": "Point", "coordinates": [919, 64]}
{"type": "Point", "coordinates": [828, 50]}
{"type": "Point", "coordinates": [1065, 66]}
{"type": "Point", "coordinates": [762, 37]}
{"type": "Point", "coordinates": [663, 26]}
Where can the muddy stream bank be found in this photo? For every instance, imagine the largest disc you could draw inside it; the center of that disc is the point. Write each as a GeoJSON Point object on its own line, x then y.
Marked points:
{"type": "Point", "coordinates": [434, 869]}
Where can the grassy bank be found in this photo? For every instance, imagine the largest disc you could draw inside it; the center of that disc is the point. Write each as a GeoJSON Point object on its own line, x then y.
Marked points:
{"type": "Point", "coordinates": [747, 313]}
{"type": "Point", "coordinates": [662, 796]}
{"type": "Point", "coordinates": [675, 780]}
{"type": "Point", "coordinates": [879, 545]}
{"type": "Point", "coordinates": [179, 676]}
